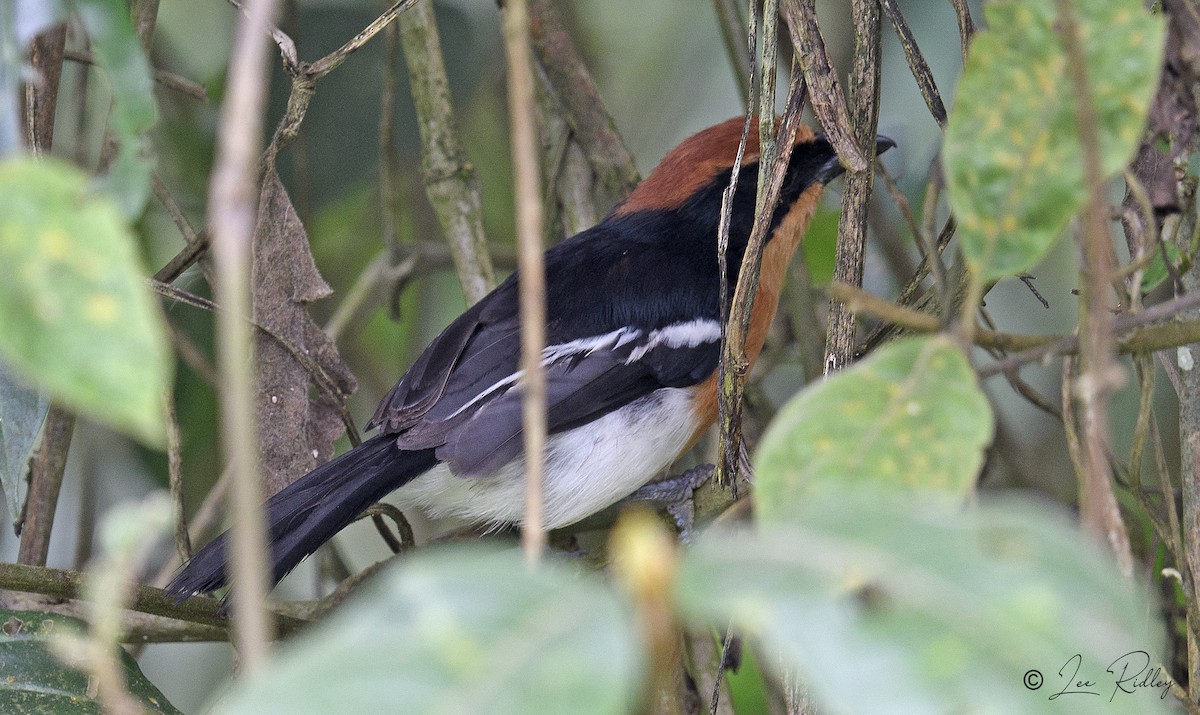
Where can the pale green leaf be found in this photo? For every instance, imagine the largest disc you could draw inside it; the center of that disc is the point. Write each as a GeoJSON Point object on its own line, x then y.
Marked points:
{"type": "Point", "coordinates": [881, 605]}
{"type": "Point", "coordinates": [1014, 167]}
{"type": "Point", "coordinates": [76, 318]}
{"type": "Point", "coordinates": [910, 416]}
{"type": "Point", "coordinates": [457, 631]}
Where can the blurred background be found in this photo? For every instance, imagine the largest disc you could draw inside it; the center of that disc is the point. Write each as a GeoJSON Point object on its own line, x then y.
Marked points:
{"type": "Point", "coordinates": [662, 70]}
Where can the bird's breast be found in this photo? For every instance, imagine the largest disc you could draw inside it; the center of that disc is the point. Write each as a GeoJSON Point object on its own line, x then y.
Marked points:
{"type": "Point", "coordinates": [587, 468]}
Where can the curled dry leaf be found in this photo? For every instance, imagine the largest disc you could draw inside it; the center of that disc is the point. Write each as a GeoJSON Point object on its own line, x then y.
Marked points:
{"type": "Point", "coordinates": [298, 420]}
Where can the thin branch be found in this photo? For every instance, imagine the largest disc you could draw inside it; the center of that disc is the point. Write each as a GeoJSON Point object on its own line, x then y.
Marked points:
{"type": "Point", "coordinates": [532, 284]}
{"type": "Point", "coordinates": [183, 543]}
{"type": "Point", "coordinates": [45, 482]}
{"type": "Point", "coordinates": [1100, 374]}
{"type": "Point", "coordinates": [734, 363]}
{"type": "Point", "coordinates": [61, 583]}
{"type": "Point", "coordinates": [591, 124]}
{"type": "Point", "coordinates": [231, 217]}
{"type": "Point", "coordinates": [145, 15]}
{"type": "Point", "coordinates": [41, 91]}
{"type": "Point", "coordinates": [170, 80]}
{"type": "Point", "coordinates": [320, 377]}
{"type": "Point", "coordinates": [829, 103]}
{"type": "Point", "coordinates": [1139, 330]}
{"type": "Point", "coordinates": [334, 59]}
{"type": "Point", "coordinates": [389, 166]}
{"type": "Point", "coordinates": [916, 62]}
{"type": "Point", "coordinates": [450, 180]}
{"type": "Point", "coordinates": [195, 242]}
{"type": "Point", "coordinates": [966, 26]}
{"type": "Point", "coordinates": [733, 30]}
{"type": "Point", "coordinates": [287, 48]}
{"type": "Point", "coordinates": [850, 255]}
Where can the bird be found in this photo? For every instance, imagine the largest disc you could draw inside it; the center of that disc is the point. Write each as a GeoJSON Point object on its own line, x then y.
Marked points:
{"type": "Point", "coordinates": [633, 326]}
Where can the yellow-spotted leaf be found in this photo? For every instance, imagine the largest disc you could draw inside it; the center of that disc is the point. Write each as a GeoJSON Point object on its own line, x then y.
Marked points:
{"type": "Point", "coordinates": [76, 319]}
{"type": "Point", "coordinates": [887, 605]}
{"type": "Point", "coordinates": [1014, 166]}
{"type": "Point", "coordinates": [910, 417]}
{"type": "Point", "coordinates": [459, 630]}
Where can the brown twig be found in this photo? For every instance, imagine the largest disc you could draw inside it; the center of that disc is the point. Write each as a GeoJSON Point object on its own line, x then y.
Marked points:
{"type": "Point", "coordinates": [170, 80]}
{"type": "Point", "coordinates": [828, 101]}
{"type": "Point", "coordinates": [850, 254]}
{"type": "Point", "coordinates": [532, 285]}
{"type": "Point", "coordinates": [1099, 374]}
{"type": "Point", "coordinates": [61, 583]}
{"type": "Point", "coordinates": [733, 32]}
{"type": "Point", "coordinates": [231, 217]}
{"type": "Point", "coordinates": [734, 364]}
{"type": "Point", "coordinates": [916, 62]}
{"type": "Point", "coordinates": [45, 482]}
{"type": "Point", "coordinates": [41, 91]}
{"type": "Point", "coordinates": [1141, 332]}
{"type": "Point", "coordinates": [591, 124]}
{"type": "Point", "coordinates": [183, 543]}
{"type": "Point", "coordinates": [966, 26]}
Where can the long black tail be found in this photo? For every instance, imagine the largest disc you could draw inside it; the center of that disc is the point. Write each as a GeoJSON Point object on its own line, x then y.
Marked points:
{"type": "Point", "coordinates": [309, 511]}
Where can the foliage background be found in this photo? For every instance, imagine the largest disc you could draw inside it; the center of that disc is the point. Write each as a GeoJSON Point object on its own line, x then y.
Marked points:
{"type": "Point", "coordinates": [661, 69]}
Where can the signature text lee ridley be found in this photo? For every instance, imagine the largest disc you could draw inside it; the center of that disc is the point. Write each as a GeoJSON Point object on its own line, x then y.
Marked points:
{"type": "Point", "coordinates": [1126, 675]}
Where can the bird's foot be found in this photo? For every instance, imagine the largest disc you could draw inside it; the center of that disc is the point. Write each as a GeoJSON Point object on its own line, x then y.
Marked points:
{"type": "Point", "coordinates": [675, 495]}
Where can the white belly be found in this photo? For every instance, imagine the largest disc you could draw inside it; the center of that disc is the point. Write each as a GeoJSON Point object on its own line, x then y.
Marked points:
{"type": "Point", "coordinates": [587, 468]}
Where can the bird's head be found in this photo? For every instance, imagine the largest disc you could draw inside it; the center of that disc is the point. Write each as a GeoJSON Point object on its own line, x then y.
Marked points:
{"type": "Point", "coordinates": [693, 175]}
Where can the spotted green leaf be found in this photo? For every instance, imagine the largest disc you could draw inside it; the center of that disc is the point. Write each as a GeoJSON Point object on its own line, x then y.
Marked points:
{"type": "Point", "coordinates": [911, 416]}
{"type": "Point", "coordinates": [76, 318]}
{"type": "Point", "coordinates": [459, 630]}
{"type": "Point", "coordinates": [885, 605]}
{"type": "Point", "coordinates": [1013, 159]}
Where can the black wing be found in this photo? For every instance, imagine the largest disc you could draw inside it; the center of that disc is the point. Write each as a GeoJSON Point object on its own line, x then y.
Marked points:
{"type": "Point", "coordinates": [647, 319]}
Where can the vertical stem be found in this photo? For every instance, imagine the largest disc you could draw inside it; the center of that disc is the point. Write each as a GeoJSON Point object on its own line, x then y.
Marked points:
{"type": "Point", "coordinates": [46, 467]}
{"type": "Point", "coordinates": [450, 180]}
{"type": "Point", "coordinates": [1099, 372]}
{"type": "Point", "coordinates": [732, 32]}
{"type": "Point", "coordinates": [41, 92]}
{"type": "Point", "coordinates": [231, 217]}
{"type": "Point", "coordinates": [521, 103]}
{"type": "Point", "coordinates": [45, 482]}
{"type": "Point", "coordinates": [183, 543]}
{"type": "Point", "coordinates": [145, 15]}
{"type": "Point", "coordinates": [852, 229]}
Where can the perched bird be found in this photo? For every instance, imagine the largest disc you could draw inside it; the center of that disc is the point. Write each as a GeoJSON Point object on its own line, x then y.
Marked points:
{"type": "Point", "coordinates": [633, 332]}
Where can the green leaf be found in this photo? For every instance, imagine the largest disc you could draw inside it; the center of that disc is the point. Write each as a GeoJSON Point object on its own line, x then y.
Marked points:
{"type": "Point", "coordinates": [36, 681]}
{"type": "Point", "coordinates": [909, 416]}
{"type": "Point", "coordinates": [460, 631]}
{"type": "Point", "coordinates": [1013, 160]}
{"type": "Point", "coordinates": [1157, 271]}
{"type": "Point", "coordinates": [881, 605]}
{"type": "Point", "coordinates": [75, 316]}
{"type": "Point", "coordinates": [22, 412]}
{"type": "Point", "coordinates": [119, 53]}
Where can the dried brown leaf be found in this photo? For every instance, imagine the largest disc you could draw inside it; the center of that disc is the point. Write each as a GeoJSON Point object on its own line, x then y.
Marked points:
{"type": "Point", "coordinates": [298, 421]}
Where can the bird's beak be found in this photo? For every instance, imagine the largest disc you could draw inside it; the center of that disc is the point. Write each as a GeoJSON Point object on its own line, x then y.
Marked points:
{"type": "Point", "coordinates": [832, 168]}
